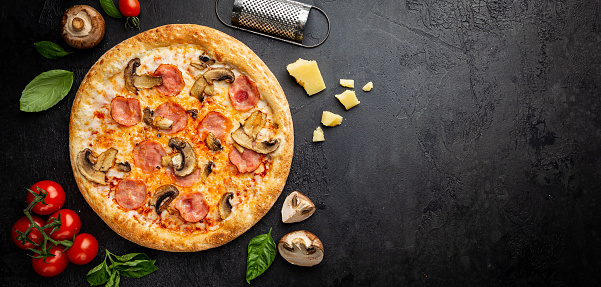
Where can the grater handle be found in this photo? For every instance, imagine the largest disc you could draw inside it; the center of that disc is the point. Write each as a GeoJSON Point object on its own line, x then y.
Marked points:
{"type": "Point", "coordinates": [273, 37]}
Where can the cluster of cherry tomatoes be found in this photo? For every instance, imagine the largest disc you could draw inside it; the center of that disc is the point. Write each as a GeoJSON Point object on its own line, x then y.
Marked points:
{"type": "Point", "coordinates": [84, 246]}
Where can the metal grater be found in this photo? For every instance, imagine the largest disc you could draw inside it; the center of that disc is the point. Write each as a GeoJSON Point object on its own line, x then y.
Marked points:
{"type": "Point", "coordinates": [284, 20]}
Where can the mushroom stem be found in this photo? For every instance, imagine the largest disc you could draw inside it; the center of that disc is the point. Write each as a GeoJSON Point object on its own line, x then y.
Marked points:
{"type": "Point", "coordinates": [77, 23]}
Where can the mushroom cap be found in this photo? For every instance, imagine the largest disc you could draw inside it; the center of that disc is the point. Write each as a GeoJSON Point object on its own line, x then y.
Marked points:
{"type": "Point", "coordinates": [297, 207]}
{"type": "Point", "coordinates": [82, 27]}
{"type": "Point", "coordinates": [301, 248]}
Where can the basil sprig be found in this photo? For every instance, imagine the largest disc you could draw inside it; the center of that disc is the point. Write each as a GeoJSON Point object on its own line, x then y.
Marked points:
{"type": "Point", "coordinates": [51, 50]}
{"type": "Point", "coordinates": [261, 253]}
{"type": "Point", "coordinates": [46, 90]}
{"type": "Point", "coordinates": [109, 8]}
{"type": "Point", "coordinates": [132, 265]}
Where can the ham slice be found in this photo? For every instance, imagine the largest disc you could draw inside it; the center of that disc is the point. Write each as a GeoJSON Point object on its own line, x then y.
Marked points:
{"type": "Point", "coordinates": [247, 161]}
{"type": "Point", "coordinates": [130, 194]}
{"type": "Point", "coordinates": [126, 111]}
{"type": "Point", "coordinates": [173, 82]}
{"type": "Point", "coordinates": [148, 156]}
{"type": "Point", "coordinates": [192, 206]}
{"type": "Point", "coordinates": [175, 113]}
{"type": "Point", "coordinates": [243, 93]}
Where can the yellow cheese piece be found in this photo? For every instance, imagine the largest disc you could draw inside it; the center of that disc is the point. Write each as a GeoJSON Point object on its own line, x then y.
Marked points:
{"type": "Point", "coordinates": [348, 99]}
{"type": "Point", "coordinates": [347, 83]}
{"type": "Point", "coordinates": [368, 87]}
{"type": "Point", "coordinates": [330, 119]}
{"type": "Point", "coordinates": [318, 135]}
{"type": "Point", "coordinates": [307, 75]}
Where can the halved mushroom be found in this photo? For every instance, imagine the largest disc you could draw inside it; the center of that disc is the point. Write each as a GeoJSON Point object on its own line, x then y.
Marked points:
{"type": "Point", "coordinates": [207, 170]}
{"type": "Point", "coordinates": [254, 123]}
{"type": "Point", "coordinates": [163, 196]}
{"type": "Point", "coordinates": [205, 62]}
{"type": "Point", "coordinates": [183, 162]}
{"type": "Point", "coordinates": [246, 141]}
{"type": "Point", "coordinates": [106, 160]}
{"type": "Point", "coordinates": [301, 248]}
{"type": "Point", "coordinates": [225, 205]}
{"type": "Point", "coordinates": [158, 122]}
{"type": "Point", "coordinates": [85, 165]}
{"type": "Point", "coordinates": [124, 167]}
{"type": "Point", "coordinates": [219, 74]}
{"type": "Point", "coordinates": [198, 88]}
{"type": "Point", "coordinates": [193, 113]}
{"type": "Point", "coordinates": [82, 27]}
{"type": "Point", "coordinates": [297, 207]}
{"type": "Point", "coordinates": [134, 81]}
{"type": "Point", "coordinates": [213, 143]}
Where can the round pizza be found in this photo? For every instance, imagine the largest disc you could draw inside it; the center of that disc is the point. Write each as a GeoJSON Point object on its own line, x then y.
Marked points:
{"type": "Point", "coordinates": [180, 138]}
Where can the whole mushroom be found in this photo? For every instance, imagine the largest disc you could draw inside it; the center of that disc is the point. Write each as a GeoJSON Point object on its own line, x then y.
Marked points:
{"type": "Point", "coordinates": [82, 27]}
{"type": "Point", "coordinates": [301, 248]}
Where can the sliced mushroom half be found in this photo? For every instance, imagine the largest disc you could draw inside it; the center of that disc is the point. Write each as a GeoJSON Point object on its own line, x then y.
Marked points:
{"type": "Point", "coordinates": [219, 74]}
{"type": "Point", "coordinates": [124, 167]}
{"type": "Point", "coordinates": [225, 205]}
{"type": "Point", "coordinates": [213, 143]}
{"type": "Point", "coordinates": [85, 165]}
{"type": "Point", "coordinates": [198, 89]}
{"type": "Point", "coordinates": [297, 207]}
{"type": "Point", "coordinates": [205, 62]}
{"type": "Point", "coordinates": [207, 170]}
{"type": "Point", "coordinates": [158, 122]}
{"type": "Point", "coordinates": [246, 141]}
{"type": "Point", "coordinates": [106, 160]}
{"type": "Point", "coordinates": [163, 196]}
{"type": "Point", "coordinates": [254, 123]}
{"type": "Point", "coordinates": [133, 81]}
{"type": "Point", "coordinates": [301, 248]}
{"type": "Point", "coordinates": [183, 164]}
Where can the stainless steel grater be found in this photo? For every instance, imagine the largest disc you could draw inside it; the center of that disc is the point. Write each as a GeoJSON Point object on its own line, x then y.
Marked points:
{"type": "Point", "coordinates": [284, 20]}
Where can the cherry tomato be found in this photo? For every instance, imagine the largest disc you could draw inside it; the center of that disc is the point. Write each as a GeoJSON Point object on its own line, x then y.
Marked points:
{"type": "Point", "coordinates": [22, 224]}
{"type": "Point", "coordinates": [53, 265]}
{"type": "Point", "coordinates": [55, 197]}
{"type": "Point", "coordinates": [129, 8]}
{"type": "Point", "coordinates": [84, 249]}
{"type": "Point", "coordinates": [71, 224]}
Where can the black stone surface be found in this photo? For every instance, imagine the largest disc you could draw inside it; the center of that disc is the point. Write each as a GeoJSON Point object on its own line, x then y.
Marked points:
{"type": "Point", "coordinates": [474, 161]}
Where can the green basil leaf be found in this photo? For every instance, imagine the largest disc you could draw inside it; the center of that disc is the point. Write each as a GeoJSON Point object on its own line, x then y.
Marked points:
{"type": "Point", "coordinates": [143, 268]}
{"type": "Point", "coordinates": [99, 274]}
{"type": "Point", "coordinates": [261, 253]}
{"type": "Point", "coordinates": [109, 8]}
{"type": "Point", "coordinates": [114, 280]}
{"type": "Point", "coordinates": [46, 90]}
{"type": "Point", "coordinates": [51, 50]}
{"type": "Point", "coordinates": [132, 256]}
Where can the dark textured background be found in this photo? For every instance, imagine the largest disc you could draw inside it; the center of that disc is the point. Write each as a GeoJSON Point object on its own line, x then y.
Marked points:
{"type": "Point", "coordinates": [474, 160]}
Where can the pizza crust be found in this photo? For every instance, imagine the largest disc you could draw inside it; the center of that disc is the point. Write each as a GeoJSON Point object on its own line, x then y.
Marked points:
{"type": "Point", "coordinates": [225, 49]}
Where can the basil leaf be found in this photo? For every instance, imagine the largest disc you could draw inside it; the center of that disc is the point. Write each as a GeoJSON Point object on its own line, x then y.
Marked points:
{"type": "Point", "coordinates": [109, 8]}
{"type": "Point", "coordinates": [132, 256]}
{"type": "Point", "coordinates": [99, 274]}
{"type": "Point", "coordinates": [114, 280]}
{"type": "Point", "coordinates": [46, 90]}
{"type": "Point", "coordinates": [51, 50]}
{"type": "Point", "coordinates": [143, 268]}
{"type": "Point", "coordinates": [261, 253]}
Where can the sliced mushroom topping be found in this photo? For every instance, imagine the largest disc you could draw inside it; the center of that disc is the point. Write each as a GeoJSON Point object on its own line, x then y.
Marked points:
{"type": "Point", "coordinates": [267, 147]}
{"type": "Point", "coordinates": [134, 81]}
{"type": "Point", "coordinates": [207, 170]}
{"type": "Point", "coordinates": [124, 167]}
{"type": "Point", "coordinates": [105, 160]}
{"type": "Point", "coordinates": [246, 141]}
{"type": "Point", "coordinates": [205, 62]}
{"type": "Point", "coordinates": [209, 90]}
{"type": "Point", "coordinates": [193, 113]}
{"type": "Point", "coordinates": [198, 88]}
{"type": "Point", "coordinates": [213, 143]}
{"type": "Point", "coordinates": [184, 164]}
{"type": "Point", "coordinates": [238, 148]}
{"type": "Point", "coordinates": [297, 207]}
{"type": "Point", "coordinates": [219, 74]}
{"type": "Point", "coordinates": [158, 122]}
{"type": "Point", "coordinates": [225, 205]}
{"type": "Point", "coordinates": [254, 124]}
{"type": "Point", "coordinates": [301, 248]}
{"type": "Point", "coordinates": [163, 196]}
{"type": "Point", "coordinates": [85, 165]}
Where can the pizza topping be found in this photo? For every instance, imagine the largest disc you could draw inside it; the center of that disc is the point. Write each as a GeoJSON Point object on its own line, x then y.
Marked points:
{"type": "Point", "coordinates": [246, 141]}
{"type": "Point", "coordinates": [297, 207]}
{"type": "Point", "coordinates": [133, 81]}
{"type": "Point", "coordinates": [214, 123]}
{"type": "Point", "coordinates": [172, 112]}
{"type": "Point", "coordinates": [244, 94]}
{"type": "Point", "coordinates": [205, 62]}
{"type": "Point", "coordinates": [148, 156]}
{"type": "Point", "coordinates": [105, 160]}
{"type": "Point", "coordinates": [86, 167]}
{"type": "Point", "coordinates": [219, 74]}
{"type": "Point", "coordinates": [198, 89]}
{"type": "Point", "coordinates": [188, 180]}
{"type": "Point", "coordinates": [193, 113]}
{"type": "Point", "coordinates": [173, 81]}
{"type": "Point", "coordinates": [126, 111]}
{"type": "Point", "coordinates": [301, 248]}
{"type": "Point", "coordinates": [213, 143]}
{"type": "Point", "coordinates": [158, 122]}
{"type": "Point", "coordinates": [192, 206]}
{"type": "Point", "coordinates": [163, 196]}
{"type": "Point", "coordinates": [207, 170]}
{"type": "Point", "coordinates": [130, 194]}
{"type": "Point", "coordinates": [225, 205]}
{"type": "Point", "coordinates": [254, 123]}
{"type": "Point", "coordinates": [247, 161]}
{"type": "Point", "coordinates": [183, 162]}
{"type": "Point", "coordinates": [124, 167]}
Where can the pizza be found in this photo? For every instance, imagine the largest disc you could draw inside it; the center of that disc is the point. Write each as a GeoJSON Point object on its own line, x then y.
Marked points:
{"type": "Point", "coordinates": [180, 138]}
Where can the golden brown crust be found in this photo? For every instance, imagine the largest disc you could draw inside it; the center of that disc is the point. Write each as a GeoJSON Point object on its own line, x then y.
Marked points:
{"type": "Point", "coordinates": [228, 50]}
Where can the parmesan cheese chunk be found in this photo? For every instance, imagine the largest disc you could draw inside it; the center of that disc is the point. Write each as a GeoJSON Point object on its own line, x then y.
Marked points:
{"type": "Point", "coordinates": [347, 83]}
{"type": "Point", "coordinates": [307, 75]}
{"type": "Point", "coordinates": [348, 99]}
{"type": "Point", "coordinates": [368, 86]}
{"type": "Point", "coordinates": [330, 119]}
{"type": "Point", "coordinates": [318, 135]}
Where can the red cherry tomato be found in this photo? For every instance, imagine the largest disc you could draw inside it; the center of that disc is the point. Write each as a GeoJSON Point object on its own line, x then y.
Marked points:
{"type": "Point", "coordinates": [21, 225]}
{"type": "Point", "coordinates": [71, 224]}
{"type": "Point", "coordinates": [53, 265]}
{"type": "Point", "coordinates": [84, 249]}
{"type": "Point", "coordinates": [129, 8]}
{"type": "Point", "coordinates": [55, 197]}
